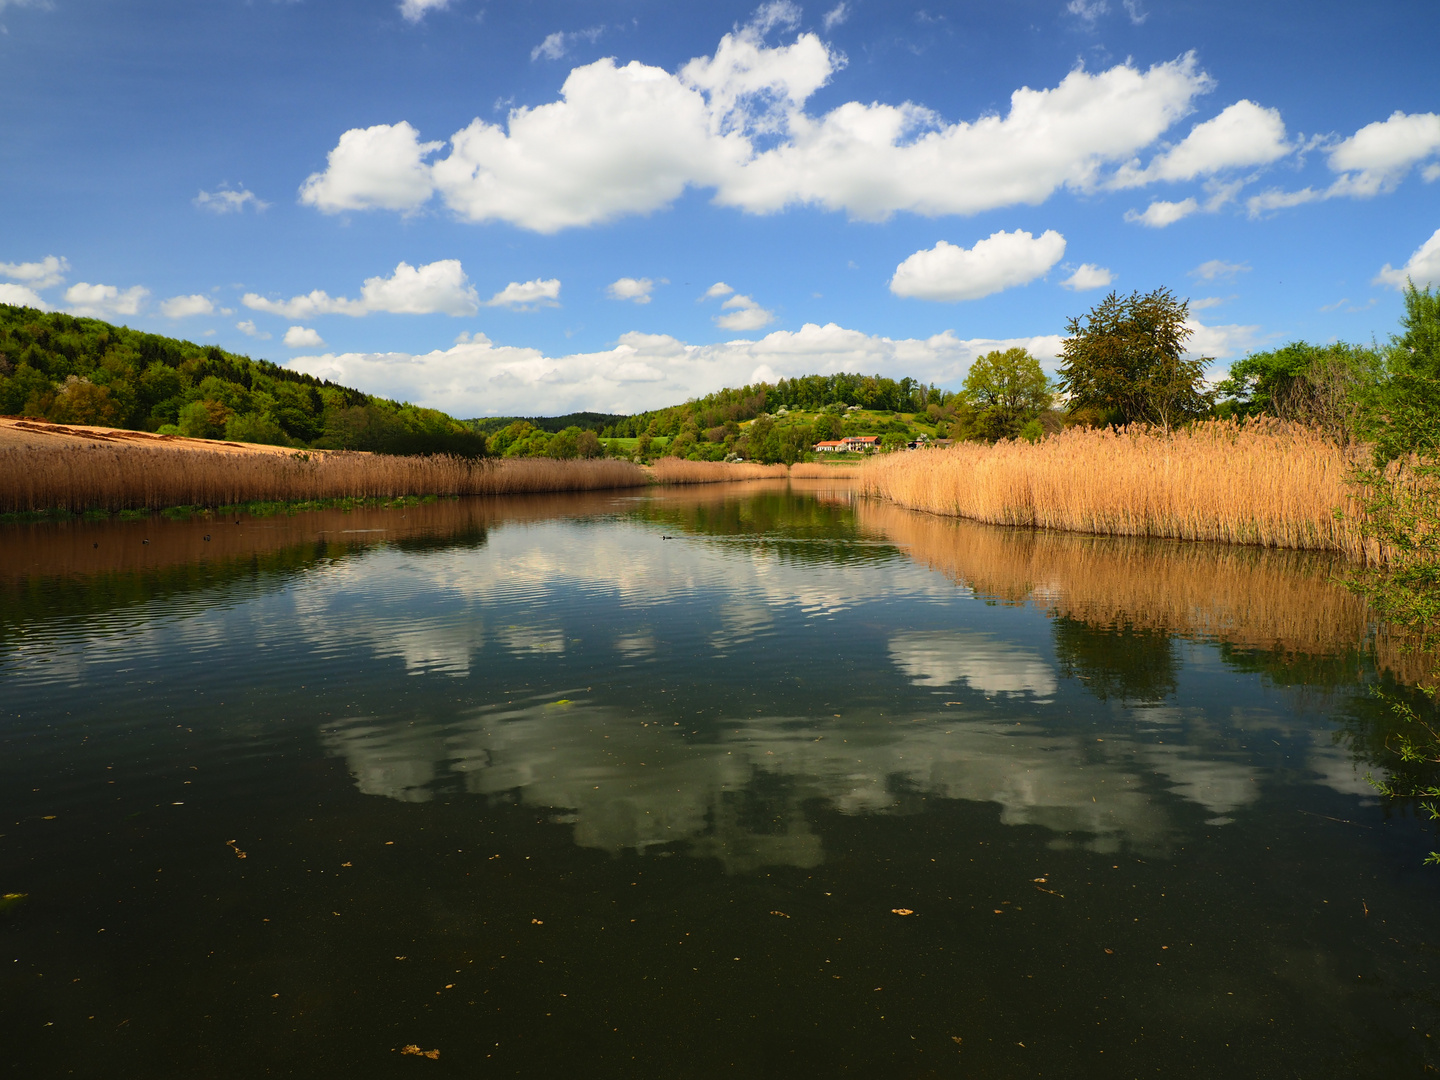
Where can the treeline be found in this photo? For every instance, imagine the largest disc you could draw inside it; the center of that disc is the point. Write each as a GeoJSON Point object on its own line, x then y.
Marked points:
{"type": "Point", "coordinates": [85, 371]}
{"type": "Point", "coordinates": [809, 392]}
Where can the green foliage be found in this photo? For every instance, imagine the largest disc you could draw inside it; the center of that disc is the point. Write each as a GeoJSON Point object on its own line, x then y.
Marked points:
{"type": "Point", "coordinates": [1322, 386]}
{"type": "Point", "coordinates": [84, 371]}
{"type": "Point", "coordinates": [1008, 390]}
{"type": "Point", "coordinates": [1127, 360]}
{"type": "Point", "coordinates": [1404, 413]}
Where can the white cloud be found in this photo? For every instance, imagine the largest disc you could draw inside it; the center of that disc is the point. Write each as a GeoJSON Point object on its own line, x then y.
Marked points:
{"type": "Point", "coordinates": [302, 337]}
{"type": "Point", "coordinates": [21, 296]}
{"type": "Point", "coordinates": [716, 290]}
{"type": "Point", "coordinates": [1217, 269]}
{"type": "Point", "coordinates": [1088, 276]}
{"type": "Point", "coordinates": [558, 44]}
{"type": "Point", "coordinates": [374, 168]}
{"type": "Point", "coordinates": [552, 48]}
{"type": "Point", "coordinates": [1220, 341]}
{"type": "Point", "coordinates": [1371, 162]}
{"type": "Point", "coordinates": [48, 271]}
{"type": "Point", "coordinates": [745, 314]}
{"type": "Point", "coordinates": [1244, 134]}
{"type": "Point", "coordinates": [179, 307]}
{"type": "Point", "coordinates": [629, 139]}
{"type": "Point", "coordinates": [1379, 155]}
{"type": "Point", "coordinates": [1137, 14]}
{"type": "Point", "coordinates": [479, 378]}
{"type": "Point", "coordinates": [249, 329]}
{"type": "Point", "coordinates": [104, 301]}
{"type": "Point", "coordinates": [629, 288]}
{"type": "Point", "coordinates": [1087, 10]}
{"type": "Point", "coordinates": [948, 272]}
{"type": "Point", "coordinates": [440, 287]}
{"type": "Point", "coordinates": [1423, 267]}
{"type": "Point", "coordinates": [228, 200]}
{"type": "Point", "coordinates": [525, 295]}
{"type": "Point", "coordinates": [1161, 213]}
{"type": "Point", "coordinates": [415, 10]}
{"type": "Point", "coordinates": [836, 16]}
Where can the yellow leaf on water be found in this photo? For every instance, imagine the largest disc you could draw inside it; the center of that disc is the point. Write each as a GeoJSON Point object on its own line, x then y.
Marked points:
{"type": "Point", "coordinates": [901, 911]}
{"type": "Point", "coordinates": [415, 1051]}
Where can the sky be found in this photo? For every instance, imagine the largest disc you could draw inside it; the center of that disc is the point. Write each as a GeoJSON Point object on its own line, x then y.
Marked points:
{"type": "Point", "coordinates": [533, 208]}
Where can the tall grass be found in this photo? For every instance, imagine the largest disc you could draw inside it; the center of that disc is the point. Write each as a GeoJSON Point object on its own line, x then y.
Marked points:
{"type": "Point", "coordinates": [1264, 483]}
{"type": "Point", "coordinates": [680, 471]}
{"type": "Point", "coordinates": [817, 471]}
{"type": "Point", "coordinates": [106, 477]}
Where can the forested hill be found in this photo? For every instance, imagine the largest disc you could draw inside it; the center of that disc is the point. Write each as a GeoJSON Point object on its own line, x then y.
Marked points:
{"type": "Point", "coordinates": [807, 392]}
{"type": "Point", "coordinates": [85, 371]}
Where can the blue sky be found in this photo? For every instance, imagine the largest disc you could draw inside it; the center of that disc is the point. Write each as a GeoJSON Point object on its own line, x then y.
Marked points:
{"type": "Point", "coordinates": [532, 208]}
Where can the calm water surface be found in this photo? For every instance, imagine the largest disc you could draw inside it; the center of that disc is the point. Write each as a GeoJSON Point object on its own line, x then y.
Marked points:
{"type": "Point", "coordinates": [751, 781]}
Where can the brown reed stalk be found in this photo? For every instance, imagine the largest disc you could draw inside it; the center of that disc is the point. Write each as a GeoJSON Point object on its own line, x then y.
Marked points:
{"type": "Point", "coordinates": [679, 471]}
{"type": "Point", "coordinates": [126, 477]}
{"type": "Point", "coordinates": [1263, 482]}
{"type": "Point", "coordinates": [817, 471]}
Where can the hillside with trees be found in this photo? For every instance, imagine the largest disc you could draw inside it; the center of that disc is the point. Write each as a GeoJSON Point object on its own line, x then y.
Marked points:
{"type": "Point", "coordinates": [85, 371]}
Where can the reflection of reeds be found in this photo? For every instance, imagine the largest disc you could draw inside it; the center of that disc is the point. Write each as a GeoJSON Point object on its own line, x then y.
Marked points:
{"type": "Point", "coordinates": [817, 471]}
{"type": "Point", "coordinates": [679, 471]}
{"type": "Point", "coordinates": [1270, 484]}
{"type": "Point", "coordinates": [1278, 601]}
{"type": "Point", "coordinates": [105, 477]}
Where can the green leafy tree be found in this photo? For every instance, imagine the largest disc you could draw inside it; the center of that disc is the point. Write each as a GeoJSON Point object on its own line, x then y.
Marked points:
{"type": "Point", "coordinates": [1008, 389]}
{"type": "Point", "coordinates": [1404, 410]}
{"type": "Point", "coordinates": [1127, 359]}
{"type": "Point", "coordinates": [1324, 386]}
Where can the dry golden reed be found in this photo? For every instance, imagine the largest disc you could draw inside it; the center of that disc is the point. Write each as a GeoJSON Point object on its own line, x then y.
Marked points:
{"type": "Point", "coordinates": [679, 471]}
{"type": "Point", "coordinates": [1265, 483]}
{"type": "Point", "coordinates": [108, 477]}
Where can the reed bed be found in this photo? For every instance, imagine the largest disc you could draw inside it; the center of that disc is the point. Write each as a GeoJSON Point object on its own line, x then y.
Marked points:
{"type": "Point", "coordinates": [113, 478]}
{"type": "Point", "coordinates": [680, 471]}
{"type": "Point", "coordinates": [1264, 483]}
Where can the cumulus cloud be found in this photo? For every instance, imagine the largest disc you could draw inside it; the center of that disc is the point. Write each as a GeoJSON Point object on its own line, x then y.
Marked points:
{"type": "Point", "coordinates": [477, 377]}
{"type": "Point", "coordinates": [249, 329]}
{"type": "Point", "coordinates": [948, 272]}
{"type": "Point", "coordinates": [1161, 213]}
{"type": "Point", "coordinates": [302, 337]}
{"type": "Point", "coordinates": [21, 296]}
{"type": "Point", "coordinates": [1088, 276]}
{"type": "Point", "coordinates": [415, 10]}
{"type": "Point", "coordinates": [48, 271]}
{"type": "Point", "coordinates": [180, 307]}
{"type": "Point", "coordinates": [1218, 269]}
{"type": "Point", "coordinates": [1371, 162]}
{"type": "Point", "coordinates": [104, 301]}
{"type": "Point", "coordinates": [374, 168]}
{"type": "Point", "coordinates": [629, 139]}
{"type": "Point", "coordinates": [717, 290]}
{"type": "Point", "coordinates": [1423, 267]}
{"type": "Point", "coordinates": [629, 288]}
{"type": "Point", "coordinates": [440, 287]}
{"type": "Point", "coordinates": [227, 200]}
{"type": "Point", "coordinates": [745, 314]}
{"type": "Point", "coordinates": [1220, 342]}
{"type": "Point", "coordinates": [527, 295]}
{"type": "Point", "coordinates": [1244, 134]}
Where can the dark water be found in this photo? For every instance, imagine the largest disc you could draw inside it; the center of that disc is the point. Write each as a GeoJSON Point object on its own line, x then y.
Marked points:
{"type": "Point", "coordinates": [755, 782]}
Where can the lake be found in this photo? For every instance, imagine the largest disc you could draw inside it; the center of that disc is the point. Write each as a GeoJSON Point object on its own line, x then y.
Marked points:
{"type": "Point", "coordinates": [756, 780]}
